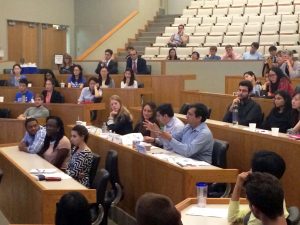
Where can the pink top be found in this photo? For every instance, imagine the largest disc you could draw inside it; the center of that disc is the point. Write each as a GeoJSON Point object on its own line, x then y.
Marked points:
{"type": "Point", "coordinates": [48, 97]}
{"type": "Point", "coordinates": [52, 155]}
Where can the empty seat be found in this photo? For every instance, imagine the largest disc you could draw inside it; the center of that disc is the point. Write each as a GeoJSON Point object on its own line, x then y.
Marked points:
{"type": "Point", "coordinates": [238, 3]}
{"type": "Point", "coordinates": [268, 10]}
{"type": "Point", "coordinates": [254, 3]}
{"type": "Point", "coordinates": [170, 30]}
{"type": "Point", "coordinates": [285, 9]}
{"type": "Point", "coordinates": [239, 20]}
{"type": "Point", "coordinates": [297, 9]}
{"type": "Point", "coordinates": [151, 52]}
{"type": "Point", "coordinates": [231, 40]}
{"type": "Point", "coordinates": [163, 52]}
{"type": "Point", "coordinates": [252, 11]}
{"type": "Point", "coordinates": [210, 4]}
{"type": "Point", "coordinates": [195, 41]}
{"type": "Point", "coordinates": [289, 39]}
{"type": "Point", "coordinates": [269, 39]}
{"type": "Point", "coordinates": [189, 30]}
{"type": "Point", "coordinates": [252, 29]}
{"type": "Point", "coordinates": [285, 2]}
{"type": "Point", "coordinates": [290, 18]}
{"type": "Point", "coordinates": [269, 2]}
{"type": "Point", "coordinates": [256, 19]}
{"type": "Point", "coordinates": [196, 4]}
{"type": "Point", "coordinates": [271, 19]}
{"type": "Point", "coordinates": [203, 51]}
{"type": "Point", "coordinates": [224, 3]}
{"type": "Point", "coordinates": [213, 40]}
{"type": "Point", "coordinates": [178, 21]}
{"type": "Point", "coordinates": [202, 30]}
{"type": "Point", "coordinates": [161, 41]}
{"type": "Point", "coordinates": [236, 11]}
{"type": "Point", "coordinates": [235, 30]}
{"type": "Point", "coordinates": [204, 12]}
{"type": "Point", "coordinates": [239, 50]}
{"type": "Point", "coordinates": [289, 28]}
{"type": "Point", "coordinates": [270, 29]}
{"type": "Point", "coordinates": [194, 21]}
{"type": "Point", "coordinates": [248, 40]}
{"type": "Point", "coordinates": [220, 11]}
{"type": "Point", "coordinates": [184, 52]}
{"type": "Point", "coordinates": [189, 13]}
{"type": "Point", "coordinates": [223, 20]}
{"type": "Point", "coordinates": [208, 21]}
{"type": "Point", "coordinates": [218, 30]}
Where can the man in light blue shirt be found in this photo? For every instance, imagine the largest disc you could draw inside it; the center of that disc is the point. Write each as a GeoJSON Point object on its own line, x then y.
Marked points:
{"type": "Point", "coordinates": [165, 115]}
{"type": "Point", "coordinates": [253, 54]}
{"type": "Point", "coordinates": [34, 137]}
{"type": "Point", "coordinates": [195, 139]}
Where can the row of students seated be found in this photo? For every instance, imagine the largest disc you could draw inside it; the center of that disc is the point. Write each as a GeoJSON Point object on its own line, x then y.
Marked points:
{"type": "Point", "coordinates": [284, 115]}
{"type": "Point", "coordinates": [261, 185]}
{"type": "Point", "coordinates": [77, 80]}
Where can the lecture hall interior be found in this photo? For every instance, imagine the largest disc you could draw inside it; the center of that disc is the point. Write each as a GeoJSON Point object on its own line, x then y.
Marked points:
{"type": "Point", "coordinates": [138, 112]}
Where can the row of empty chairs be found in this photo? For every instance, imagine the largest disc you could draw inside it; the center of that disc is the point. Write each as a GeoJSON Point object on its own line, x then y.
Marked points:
{"type": "Point", "coordinates": [235, 20]}
{"type": "Point", "coordinates": [185, 52]}
{"type": "Point", "coordinates": [244, 40]}
{"type": "Point", "coordinates": [258, 10]}
{"type": "Point", "coordinates": [238, 3]}
{"type": "Point", "coordinates": [249, 29]}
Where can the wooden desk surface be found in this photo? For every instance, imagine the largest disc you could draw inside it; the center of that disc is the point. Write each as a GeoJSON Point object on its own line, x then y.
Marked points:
{"type": "Point", "coordinates": [21, 195]}
{"type": "Point", "coordinates": [140, 173]}
{"type": "Point", "coordinates": [221, 203]}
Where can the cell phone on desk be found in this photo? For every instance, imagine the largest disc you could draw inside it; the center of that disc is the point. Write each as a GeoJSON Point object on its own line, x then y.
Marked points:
{"type": "Point", "coordinates": [52, 178]}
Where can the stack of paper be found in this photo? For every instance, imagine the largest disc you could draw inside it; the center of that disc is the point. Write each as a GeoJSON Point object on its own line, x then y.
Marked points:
{"type": "Point", "coordinates": [209, 212]}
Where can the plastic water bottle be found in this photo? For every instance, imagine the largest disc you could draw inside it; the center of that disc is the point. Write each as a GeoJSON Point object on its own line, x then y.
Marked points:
{"type": "Point", "coordinates": [235, 115]}
{"type": "Point", "coordinates": [104, 128]}
{"type": "Point", "coordinates": [201, 194]}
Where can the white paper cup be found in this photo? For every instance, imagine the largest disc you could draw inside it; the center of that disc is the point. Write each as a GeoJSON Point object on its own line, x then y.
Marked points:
{"type": "Point", "coordinates": [1, 99]}
{"type": "Point", "coordinates": [29, 84]}
{"type": "Point", "coordinates": [275, 131]}
{"type": "Point", "coordinates": [252, 127]}
{"type": "Point", "coordinates": [78, 122]}
{"type": "Point", "coordinates": [83, 123]}
{"type": "Point", "coordinates": [62, 84]}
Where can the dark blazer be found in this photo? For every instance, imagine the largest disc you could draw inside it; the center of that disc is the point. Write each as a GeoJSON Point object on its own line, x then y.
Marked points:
{"type": "Point", "coordinates": [141, 65]}
{"type": "Point", "coordinates": [112, 67]}
{"type": "Point", "coordinates": [122, 125]}
{"type": "Point", "coordinates": [56, 97]}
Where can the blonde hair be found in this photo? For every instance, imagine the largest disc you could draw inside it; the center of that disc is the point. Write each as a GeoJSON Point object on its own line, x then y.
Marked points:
{"type": "Point", "coordinates": [123, 110]}
{"type": "Point", "coordinates": [67, 56]}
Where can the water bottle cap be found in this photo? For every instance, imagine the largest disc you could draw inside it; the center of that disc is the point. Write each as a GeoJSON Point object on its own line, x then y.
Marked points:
{"type": "Point", "coordinates": [201, 184]}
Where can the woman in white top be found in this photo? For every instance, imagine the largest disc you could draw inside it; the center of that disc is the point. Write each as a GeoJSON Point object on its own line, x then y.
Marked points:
{"type": "Point", "coordinates": [129, 79]}
{"type": "Point", "coordinates": [105, 80]}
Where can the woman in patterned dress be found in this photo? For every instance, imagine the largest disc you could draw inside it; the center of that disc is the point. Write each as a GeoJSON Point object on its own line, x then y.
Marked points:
{"type": "Point", "coordinates": [81, 156]}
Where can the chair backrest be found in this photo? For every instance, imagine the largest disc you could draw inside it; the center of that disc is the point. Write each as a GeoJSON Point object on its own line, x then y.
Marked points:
{"type": "Point", "coordinates": [3, 83]}
{"type": "Point", "coordinates": [294, 215]}
{"type": "Point", "coordinates": [4, 113]}
{"type": "Point", "coordinates": [100, 184]}
{"type": "Point", "coordinates": [219, 153]}
{"type": "Point", "coordinates": [141, 84]}
{"type": "Point", "coordinates": [149, 69]}
{"type": "Point", "coordinates": [184, 108]}
{"type": "Point", "coordinates": [111, 165]}
{"type": "Point", "coordinates": [94, 167]}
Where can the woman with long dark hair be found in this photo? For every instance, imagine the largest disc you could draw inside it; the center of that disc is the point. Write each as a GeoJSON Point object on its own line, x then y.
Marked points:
{"type": "Point", "coordinates": [56, 148]}
{"type": "Point", "coordinates": [67, 66]}
{"type": "Point", "coordinates": [278, 81]}
{"type": "Point", "coordinates": [280, 115]}
{"type": "Point", "coordinates": [172, 54]}
{"type": "Point", "coordinates": [105, 79]}
{"type": "Point", "coordinates": [50, 75]}
{"type": "Point", "coordinates": [76, 80]}
{"type": "Point", "coordinates": [148, 114]}
{"type": "Point", "coordinates": [129, 79]}
{"type": "Point", "coordinates": [50, 94]}
{"type": "Point", "coordinates": [92, 93]}
{"type": "Point", "coordinates": [81, 155]}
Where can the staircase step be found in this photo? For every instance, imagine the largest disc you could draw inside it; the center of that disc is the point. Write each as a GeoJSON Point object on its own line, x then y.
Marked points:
{"type": "Point", "coordinates": [156, 29]}
{"type": "Point", "coordinates": [150, 34]}
{"type": "Point", "coordinates": [160, 24]}
{"type": "Point", "coordinates": [151, 39]}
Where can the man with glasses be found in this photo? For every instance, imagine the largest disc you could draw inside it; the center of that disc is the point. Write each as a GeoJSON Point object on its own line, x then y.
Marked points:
{"type": "Point", "coordinates": [195, 140]}
{"type": "Point", "coordinates": [136, 63]}
{"type": "Point", "coordinates": [178, 39]}
{"type": "Point", "coordinates": [112, 65]}
{"type": "Point", "coordinates": [248, 110]}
